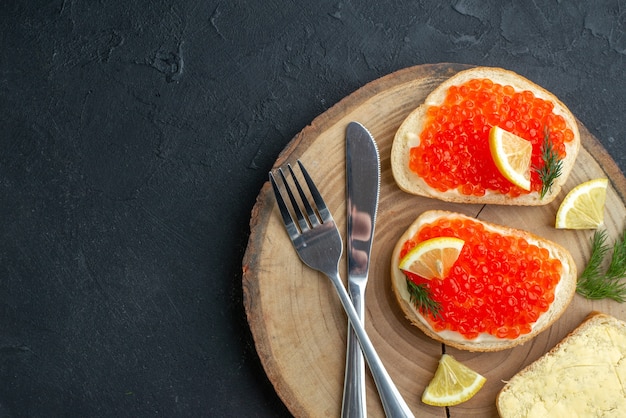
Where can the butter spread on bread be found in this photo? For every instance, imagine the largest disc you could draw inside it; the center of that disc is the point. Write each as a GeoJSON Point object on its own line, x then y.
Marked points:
{"type": "Point", "coordinates": [583, 376]}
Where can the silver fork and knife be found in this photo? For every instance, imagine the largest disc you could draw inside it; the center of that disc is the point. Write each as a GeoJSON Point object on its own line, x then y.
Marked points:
{"type": "Point", "coordinates": [317, 241]}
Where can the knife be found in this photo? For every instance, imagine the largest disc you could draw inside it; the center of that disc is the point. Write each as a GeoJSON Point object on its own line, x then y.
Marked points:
{"type": "Point", "coordinates": [362, 186]}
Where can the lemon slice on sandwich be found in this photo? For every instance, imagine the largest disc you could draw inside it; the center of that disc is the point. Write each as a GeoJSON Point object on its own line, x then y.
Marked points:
{"type": "Point", "coordinates": [512, 155]}
{"type": "Point", "coordinates": [433, 258]}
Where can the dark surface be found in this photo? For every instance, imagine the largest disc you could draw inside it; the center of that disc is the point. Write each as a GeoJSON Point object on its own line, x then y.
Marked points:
{"type": "Point", "coordinates": [136, 137]}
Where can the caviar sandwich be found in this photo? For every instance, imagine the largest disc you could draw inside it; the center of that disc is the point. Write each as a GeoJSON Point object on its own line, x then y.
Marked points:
{"type": "Point", "coordinates": [488, 288]}
{"type": "Point", "coordinates": [442, 150]}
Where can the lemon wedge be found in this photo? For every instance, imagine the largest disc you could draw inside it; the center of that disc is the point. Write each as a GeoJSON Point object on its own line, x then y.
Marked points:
{"type": "Point", "coordinates": [512, 155]}
{"type": "Point", "coordinates": [583, 206]}
{"type": "Point", "coordinates": [452, 384]}
{"type": "Point", "coordinates": [433, 258]}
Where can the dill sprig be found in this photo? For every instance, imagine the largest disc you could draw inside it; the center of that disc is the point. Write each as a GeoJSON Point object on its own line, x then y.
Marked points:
{"type": "Point", "coordinates": [617, 268]}
{"type": "Point", "coordinates": [552, 164]}
{"type": "Point", "coordinates": [420, 297]}
{"type": "Point", "coordinates": [592, 283]}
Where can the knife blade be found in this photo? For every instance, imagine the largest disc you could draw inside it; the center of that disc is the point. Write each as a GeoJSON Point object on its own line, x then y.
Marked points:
{"type": "Point", "coordinates": [362, 188]}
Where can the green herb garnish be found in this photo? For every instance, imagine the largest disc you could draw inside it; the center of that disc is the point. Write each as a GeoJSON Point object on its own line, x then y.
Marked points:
{"type": "Point", "coordinates": [421, 298]}
{"type": "Point", "coordinates": [552, 164]}
{"type": "Point", "coordinates": [592, 283]}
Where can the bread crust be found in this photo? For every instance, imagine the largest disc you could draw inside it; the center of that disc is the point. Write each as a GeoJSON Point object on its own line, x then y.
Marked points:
{"type": "Point", "coordinates": [407, 137]}
{"type": "Point", "coordinates": [594, 318]}
{"type": "Point", "coordinates": [563, 294]}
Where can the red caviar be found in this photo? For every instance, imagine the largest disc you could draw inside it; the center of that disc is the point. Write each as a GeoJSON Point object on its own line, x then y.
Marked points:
{"type": "Point", "coordinates": [454, 145]}
{"type": "Point", "coordinates": [499, 285]}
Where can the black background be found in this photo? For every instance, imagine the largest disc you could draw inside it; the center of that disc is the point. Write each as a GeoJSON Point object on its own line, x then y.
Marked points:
{"type": "Point", "coordinates": [136, 136]}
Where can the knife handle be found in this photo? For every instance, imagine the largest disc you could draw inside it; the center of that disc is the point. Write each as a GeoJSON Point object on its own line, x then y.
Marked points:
{"type": "Point", "coordinates": [354, 403]}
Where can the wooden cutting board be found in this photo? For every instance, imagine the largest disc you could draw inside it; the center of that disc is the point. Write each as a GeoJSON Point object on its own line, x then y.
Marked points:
{"type": "Point", "coordinates": [296, 319]}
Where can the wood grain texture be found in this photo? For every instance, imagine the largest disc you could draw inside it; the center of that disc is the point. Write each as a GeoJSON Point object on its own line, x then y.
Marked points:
{"type": "Point", "coordinates": [295, 317]}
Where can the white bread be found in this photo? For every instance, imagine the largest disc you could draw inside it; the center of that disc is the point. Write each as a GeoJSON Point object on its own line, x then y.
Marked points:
{"type": "Point", "coordinates": [485, 342]}
{"type": "Point", "coordinates": [407, 137]}
{"type": "Point", "coordinates": [583, 376]}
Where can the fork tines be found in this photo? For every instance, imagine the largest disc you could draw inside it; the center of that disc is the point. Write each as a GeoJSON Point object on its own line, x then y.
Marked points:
{"type": "Point", "coordinates": [312, 216]}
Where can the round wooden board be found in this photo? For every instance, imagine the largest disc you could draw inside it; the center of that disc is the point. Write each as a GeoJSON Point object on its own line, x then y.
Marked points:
{"type": "Point", "coordinates": [296, 319]}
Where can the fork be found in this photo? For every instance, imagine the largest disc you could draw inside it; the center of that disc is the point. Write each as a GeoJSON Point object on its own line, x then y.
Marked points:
{"type": "Point", "coordinates": [316, 239]}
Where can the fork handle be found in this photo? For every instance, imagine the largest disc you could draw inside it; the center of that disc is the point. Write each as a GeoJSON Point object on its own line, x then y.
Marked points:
{"type": "Point", "coordinates": [393, 403]}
